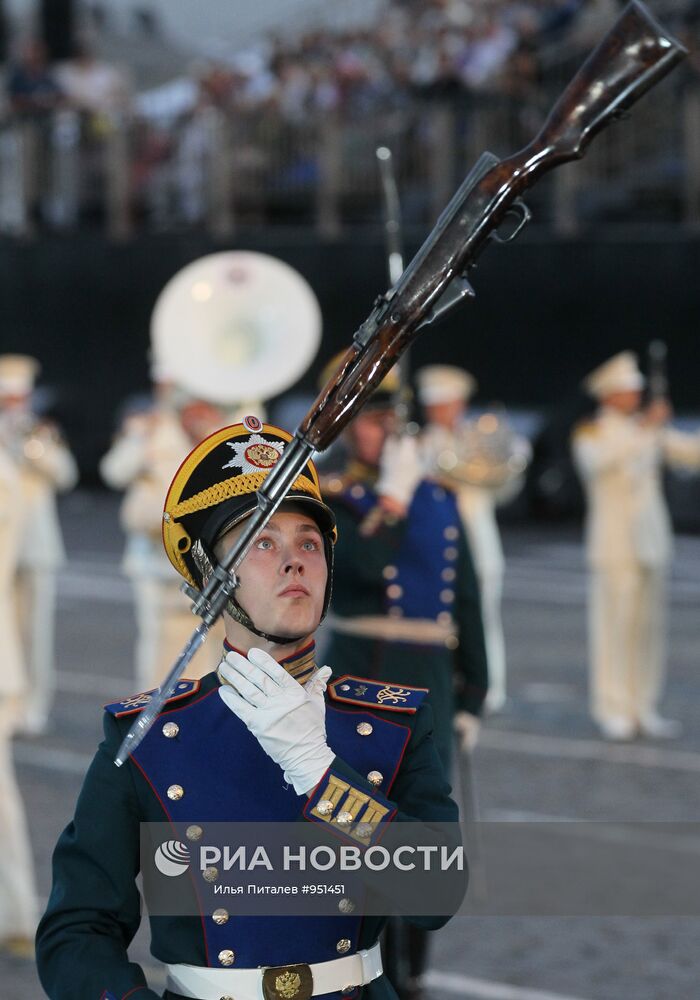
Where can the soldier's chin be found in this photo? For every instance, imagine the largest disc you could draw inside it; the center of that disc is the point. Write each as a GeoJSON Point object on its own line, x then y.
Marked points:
{"type": "Point", "coordinates": [297, 625]}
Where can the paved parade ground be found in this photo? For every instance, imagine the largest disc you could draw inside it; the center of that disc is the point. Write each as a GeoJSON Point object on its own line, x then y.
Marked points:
{"type": "Point", "coordinates": [540, 761]}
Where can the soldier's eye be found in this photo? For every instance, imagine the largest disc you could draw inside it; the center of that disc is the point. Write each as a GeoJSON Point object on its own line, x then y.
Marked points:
{"type": "Point", "coordinates": [309, 546]}
{"type": "Point", "coordinates": [264, 543]}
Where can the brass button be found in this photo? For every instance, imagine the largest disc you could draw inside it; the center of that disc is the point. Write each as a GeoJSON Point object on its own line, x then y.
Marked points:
{"type": "Point", "coordinates": [444, 618]}
{"type": "Point", "coordinates": [171, 729]}
{"type": "Point", "coordinates": [176, 792]}
{"type": "Point", "coordinates": [220, 917]}
{"type": "Point", "coordinates": [390, 572]}
{"type": "Point", "coordinates": [375, 778]}
{"type": "Point", "coordinates": [324, 807]}
{"type": "Point", "coordinates": [344, 818]}
{"type": "Point", "coordinates": [394, 591]}
{"type": "Point", "coordinates": [194, 832]}
{"type": "Point", "coordinates": [210, 874]}
{"type": "Point", "coordinates": [450, 533]}
{"type": "Point", "coordinates": [447, 596]}
{"type": "Point", "coordinates": [357, 491]}
{"type": "Point", "coordinates": [365, 728]}
{"type": "Point", "coordinates": [450, 553]}
{"type": "Point", "coordinates": [344, 687]}
{"type": "Point", "coordinates": [452, 642]}
{"type": "Point", "coordinates": [449, 574]}
{"type": "Point", "coordinates": [227, 957]}
{"type": "Point", "coordinates": [346, 906]}
{"type": "Point", "coordinates": [343, 945]}
{"type": "Point", "coordinates": [364, 830]}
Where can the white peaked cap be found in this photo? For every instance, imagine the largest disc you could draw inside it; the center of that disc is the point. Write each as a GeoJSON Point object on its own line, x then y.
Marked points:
{"type": "Point", "coordinates": [18, 373]}
{"type": "Point", "coordinates": [620, 374]}
{"type": "Point", "coordinates": [444, 384]}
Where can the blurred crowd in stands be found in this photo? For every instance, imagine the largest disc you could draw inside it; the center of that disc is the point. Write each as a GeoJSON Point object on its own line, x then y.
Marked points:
{"type": "Point", "coordinates": [457, 52]}
{"type": "Point", "coordinates": [85, 82]}
{"type": "Point", "coordinates": [426, 48]}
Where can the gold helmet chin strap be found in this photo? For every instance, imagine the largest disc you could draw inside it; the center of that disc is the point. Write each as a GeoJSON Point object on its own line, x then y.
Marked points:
{"type": "Point", "coordinates": [242, 616]}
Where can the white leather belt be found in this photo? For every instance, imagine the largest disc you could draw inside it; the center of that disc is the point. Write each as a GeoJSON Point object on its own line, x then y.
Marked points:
{"type": "Point", "coordinates": [203, 983]}
{"type": "Point", "coordinates": [421, 631]}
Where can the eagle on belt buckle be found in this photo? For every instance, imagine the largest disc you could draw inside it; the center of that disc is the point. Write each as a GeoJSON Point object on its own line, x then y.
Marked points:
{"type": "Point", "coordinates": [288, 982]}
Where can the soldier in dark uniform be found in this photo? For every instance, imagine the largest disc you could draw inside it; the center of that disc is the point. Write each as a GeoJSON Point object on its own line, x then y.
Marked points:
{"type": "Point", "coordinates": [261, 739]}
{"type": "Point", "coordinates": [405, 598]}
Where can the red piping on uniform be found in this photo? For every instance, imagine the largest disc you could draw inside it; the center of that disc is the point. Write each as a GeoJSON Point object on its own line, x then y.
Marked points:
{"type": "Point", "coordinates": [183, 708]}
{"type": "Point", "coordinates": [387, 722]}
{"type": "Point", "coordinates": [377, 680]}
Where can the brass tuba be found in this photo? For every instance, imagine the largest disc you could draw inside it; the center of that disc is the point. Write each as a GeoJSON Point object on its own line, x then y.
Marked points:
{"type": "Point", "coordinates": [236, 328]}
{"type": "Point", "coordinates": [486, 452]}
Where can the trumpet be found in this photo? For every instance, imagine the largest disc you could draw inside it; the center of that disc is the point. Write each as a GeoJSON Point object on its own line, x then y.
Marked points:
{"type": "Point", "coordinates": [26, 437]}
{"type": "Point", "coordinates": [486, 452]}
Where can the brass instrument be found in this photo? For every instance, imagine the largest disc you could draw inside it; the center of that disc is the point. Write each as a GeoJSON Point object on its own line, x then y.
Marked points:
{"type": "Point", "coordinates": [25, 437]}
{"type": "Point", "coordinates": [487, 453]}
{"type": "Point", "coordinates": [236, 327]}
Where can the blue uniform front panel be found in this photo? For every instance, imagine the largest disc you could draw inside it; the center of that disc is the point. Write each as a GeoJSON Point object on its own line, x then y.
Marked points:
{"type": "Point", "coordinates": [226, 776]}
{"type": "Point", "coordinates": [421, 582]}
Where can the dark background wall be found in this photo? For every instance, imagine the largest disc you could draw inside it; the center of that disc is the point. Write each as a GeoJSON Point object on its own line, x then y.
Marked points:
{"type": "Point", "coordinates": [545, 313]}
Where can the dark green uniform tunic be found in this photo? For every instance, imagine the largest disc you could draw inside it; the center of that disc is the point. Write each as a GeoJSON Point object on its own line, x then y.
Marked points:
{"type": "Point", "coordinates": [224, 775]}
{"type": "Point", "coordinates": [408, 570]}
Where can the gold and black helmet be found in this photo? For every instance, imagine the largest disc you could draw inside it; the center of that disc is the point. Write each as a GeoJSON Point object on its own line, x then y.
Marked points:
{"type": "Point", "coordinates": [215, 489]}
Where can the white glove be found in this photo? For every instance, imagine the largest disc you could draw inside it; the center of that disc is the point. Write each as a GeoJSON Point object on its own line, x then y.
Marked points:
{"type": "Point", "coordinates": [467, 727]}
{"type": "Point", "coordinates": [288, 720]}
{"type": "Point", "coordinates": [399, 469]}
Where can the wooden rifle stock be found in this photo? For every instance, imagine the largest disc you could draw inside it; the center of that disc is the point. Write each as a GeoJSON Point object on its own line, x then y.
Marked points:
{"type": "Point", "coordinates": [635, 54]}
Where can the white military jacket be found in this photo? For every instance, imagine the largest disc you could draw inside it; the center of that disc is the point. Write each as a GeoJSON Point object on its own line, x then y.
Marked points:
{"type": "Point", "coordinates": [13, 676]}
{"type": "Point", "coordinates": [143, 460]}
{"type": "Point", "coordinates": [477, 504]}
{"type": "Point", "coordinates": [620, 461]}
{"type": "Point", "coordinates": [45, 467]}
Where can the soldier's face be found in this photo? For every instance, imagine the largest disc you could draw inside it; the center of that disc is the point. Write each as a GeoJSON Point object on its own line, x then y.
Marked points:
{"type": "Point", "coordinates": [282, 579]}
{"type": "Point", "coordinates": [627, 401]}
{"type": "Point", "coordinates": [368, 432]}
{"type": "Point", "coordinates": [445, 414]}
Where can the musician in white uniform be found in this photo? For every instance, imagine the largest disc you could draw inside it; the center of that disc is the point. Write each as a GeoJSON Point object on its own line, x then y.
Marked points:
{"type": "Point", "coordinates": [45, 467]}
{"type": "Point", "coordinates": [18, 905]}
{"type": "Point", "coordinates": [620, 455]}
{"type": "Point", "coordinates": [143, 459]}
{"type": "Point", "coordinates": [444, 392]}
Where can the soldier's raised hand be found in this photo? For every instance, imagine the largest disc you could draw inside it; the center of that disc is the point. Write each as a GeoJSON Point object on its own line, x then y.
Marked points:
{"type": "Point", "coordinates": [400, 470]}
{"type": "Point", "coordinates": [288, 720]}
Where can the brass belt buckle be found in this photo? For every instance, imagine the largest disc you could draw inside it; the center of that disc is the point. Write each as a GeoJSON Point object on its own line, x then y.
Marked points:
{"type": "Point", "coordinates": [288, 982]}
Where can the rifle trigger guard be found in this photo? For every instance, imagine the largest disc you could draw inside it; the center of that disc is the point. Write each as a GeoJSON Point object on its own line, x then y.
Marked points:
{"type": "Point", "coordinates": [523, 215]}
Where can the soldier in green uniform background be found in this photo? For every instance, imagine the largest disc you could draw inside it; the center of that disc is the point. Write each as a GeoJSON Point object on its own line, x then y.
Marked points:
{"type": "Point", "coordinates": [405, 599]}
